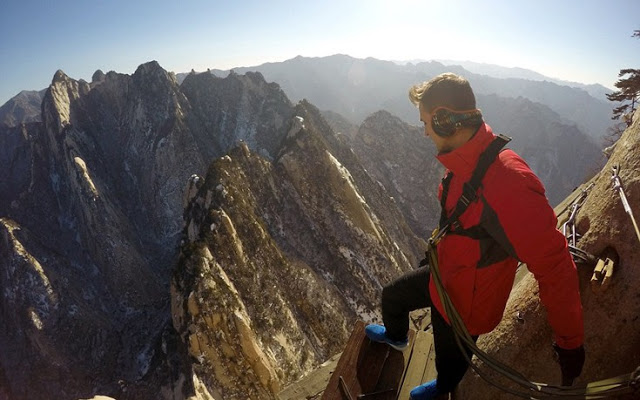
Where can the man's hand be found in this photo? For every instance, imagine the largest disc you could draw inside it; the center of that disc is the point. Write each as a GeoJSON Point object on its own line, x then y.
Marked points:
{"type": "Point", "coordinates": [571, 362]}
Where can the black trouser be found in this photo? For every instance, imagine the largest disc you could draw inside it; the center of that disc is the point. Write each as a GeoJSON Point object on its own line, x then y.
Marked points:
{"type": "Point", "coordinates": [411, 292]}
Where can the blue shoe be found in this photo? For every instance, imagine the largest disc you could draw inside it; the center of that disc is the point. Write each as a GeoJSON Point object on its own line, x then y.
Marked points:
{"type": "Point", "coordinates": [377, 333]}
{"type": "Point", "coordinates": [426, 391]}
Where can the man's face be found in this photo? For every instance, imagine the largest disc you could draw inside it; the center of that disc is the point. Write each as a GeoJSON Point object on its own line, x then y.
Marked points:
{"type": "Point", "coordinates": [441, 143]}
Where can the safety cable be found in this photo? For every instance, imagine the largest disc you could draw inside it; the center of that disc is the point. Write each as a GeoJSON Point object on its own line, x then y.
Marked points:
{"type": "Point", "coordinates": [570, 225]}
{"type": "Point", "coordinates": [595, 390]}
{"type": "Point", "coordinates": [617, 186]}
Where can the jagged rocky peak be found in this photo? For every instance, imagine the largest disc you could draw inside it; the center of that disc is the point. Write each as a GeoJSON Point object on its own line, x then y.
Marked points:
{"type": "Point", "coordinates": [241, 305]}
{"type": "Point", "coordinates": [96, 221]}
{"type": "Point", "coordinates": [151, 68]}
{"type": "Point", "coordinates": [383, 119]}
{"type": "Point", "coordinates": [239, 107]}
{"type": "Point", "coordinates": [402, 160]}
{"type": "Point", "coordinates": [59, 76]}
{"type": "Point", "coordinates": [98, 76]}
{"type": "Point", "coordinates": [375, 196]}
{"type": "Point", "coordinates": [153, 80]}
{"type": "Point", "coordinates": [279, 259]}
{"type": "Point", "coordinates": [56, 108]}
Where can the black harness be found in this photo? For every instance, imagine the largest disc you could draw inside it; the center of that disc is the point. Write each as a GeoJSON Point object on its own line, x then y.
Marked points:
{"type": "Point", "coordinates": [451, 224]}
{"type": "Point", "coordinates": [470, 188]}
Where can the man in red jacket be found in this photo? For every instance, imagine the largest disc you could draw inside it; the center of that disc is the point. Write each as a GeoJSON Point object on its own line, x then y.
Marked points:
{"type": "Point", "coordinates": [509, 221]}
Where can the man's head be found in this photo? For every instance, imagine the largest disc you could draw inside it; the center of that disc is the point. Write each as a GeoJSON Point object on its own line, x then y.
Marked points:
{"type": "Point", "coordinates": [448, 109]}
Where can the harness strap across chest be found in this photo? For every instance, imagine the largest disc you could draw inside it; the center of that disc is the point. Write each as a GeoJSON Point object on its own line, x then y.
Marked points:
{"type": "Point", "coordinates": [470, 188]}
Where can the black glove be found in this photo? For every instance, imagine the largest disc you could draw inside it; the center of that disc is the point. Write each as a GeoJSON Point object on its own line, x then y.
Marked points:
{"type": "Point", "coordinates": [571, 362]}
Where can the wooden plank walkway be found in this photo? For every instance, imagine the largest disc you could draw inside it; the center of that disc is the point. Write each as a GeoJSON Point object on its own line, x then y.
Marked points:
{"type": "Point", "coordinates": [368, 370]}
{"type": "Point", "coordinates": [422, 363]}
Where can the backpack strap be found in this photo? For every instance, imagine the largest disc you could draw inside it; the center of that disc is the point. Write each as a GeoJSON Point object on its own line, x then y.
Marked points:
{"type": "Point", "coordinates": [470, 188]}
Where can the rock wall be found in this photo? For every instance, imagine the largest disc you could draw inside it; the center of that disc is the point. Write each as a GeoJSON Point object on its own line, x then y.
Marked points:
{"type": "Point", "coordinates": [280, 259]}
{"type": "Point", "coordinates": [611, 317]}
{"type": "Point", "coordinates": [91, 218]}
{"type": "Point", "coordinates": [91, 211]}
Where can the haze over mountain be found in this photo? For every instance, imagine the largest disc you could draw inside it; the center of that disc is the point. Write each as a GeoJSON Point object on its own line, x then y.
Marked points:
{"type": "Point", "coordinates": [596, 90]}
{"type": "Point", "coordinates": [358, 87]}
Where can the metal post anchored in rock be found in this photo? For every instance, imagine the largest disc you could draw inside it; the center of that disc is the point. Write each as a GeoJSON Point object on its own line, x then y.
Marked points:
{"type": "Point", "coordinates": [617, 186]}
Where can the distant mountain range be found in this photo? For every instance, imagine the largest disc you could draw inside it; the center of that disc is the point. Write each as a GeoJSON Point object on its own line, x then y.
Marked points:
{"type": "Point", "coordinates": [356, 88]}
{"type": "Point", "coordinates": [596, 90]}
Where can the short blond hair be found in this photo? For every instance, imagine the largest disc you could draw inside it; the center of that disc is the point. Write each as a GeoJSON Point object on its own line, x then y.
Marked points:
{"type": "Point", "coordinates": [445, 90]}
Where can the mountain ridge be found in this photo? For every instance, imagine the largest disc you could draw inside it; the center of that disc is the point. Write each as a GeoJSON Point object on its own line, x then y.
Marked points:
{"type": "Point", "coordinates": [93, 214]}
{"type": "Point", "coordinates": [596, 90]}
{"type": "Point", "coordinates": [302, 215]}
{"type": "Point", "coordinates": [94, 193]}
{"type": "Point", "coordinates": [358, 87]}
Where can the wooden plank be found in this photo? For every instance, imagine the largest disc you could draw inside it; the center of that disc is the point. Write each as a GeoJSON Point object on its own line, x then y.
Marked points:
{"type": "Point", "coordinates": [420, 363]}
{"type": "Point", "coordinates": [371, 364]}
{"type": "Point", "coordinates": [366, 367]}
{"type": "Point", "coordinates": [430, 372]}
{"type": "Point", "coordinates": [346, 367]}
{"type": "Point", "coordinates": [391, 377]}
{"type": "Point", "coordinates": [312, 385]}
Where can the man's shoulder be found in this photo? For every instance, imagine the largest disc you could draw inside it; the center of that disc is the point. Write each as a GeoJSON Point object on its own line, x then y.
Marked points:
{"type": "Point", "coordinates": [507, 160]}
{"type": "Point", "coordinates": [508, 168]}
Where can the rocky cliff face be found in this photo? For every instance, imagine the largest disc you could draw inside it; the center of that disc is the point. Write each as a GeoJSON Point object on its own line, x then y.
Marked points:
{"type": "Point", "coordinates": [280, 259]}
{"type": "Point", "coordinates": [87, 233]}
{"type": "Point", "coordinates": [91, 218]}
{"type": "Point", "coordinates": [558, 152]}
{"type": "Point", "coordinates": [403, 161]}
{"type": "Point", "coordinates": [286, 241]}
{"type": "Point", "coordinates": [23, 108]}
{"type": "Point", "coordinates": [612, 342]}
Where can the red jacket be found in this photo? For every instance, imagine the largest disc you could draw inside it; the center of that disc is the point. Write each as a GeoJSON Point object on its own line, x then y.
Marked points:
{"type": "Point", "coordinates": [511, 220]}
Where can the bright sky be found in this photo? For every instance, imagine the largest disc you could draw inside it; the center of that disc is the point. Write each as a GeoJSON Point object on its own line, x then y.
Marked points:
{"type": "Point", "coordinates": [586, 41]}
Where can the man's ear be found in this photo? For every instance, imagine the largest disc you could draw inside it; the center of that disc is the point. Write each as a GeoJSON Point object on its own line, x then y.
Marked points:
{"type": "Point", "coordinates": [442, 123]}
{"type": "Point", "coordinates": [445, 122]}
